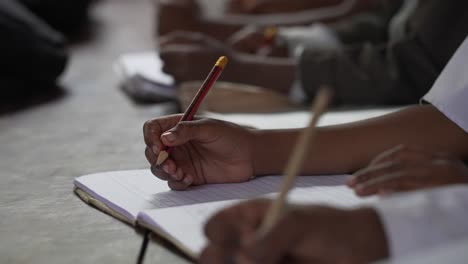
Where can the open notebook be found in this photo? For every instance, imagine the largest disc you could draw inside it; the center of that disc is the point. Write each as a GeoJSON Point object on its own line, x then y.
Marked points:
{"type": "Point", "coordinates": [139, 198]}
{"type": "Point", "coordinates": [143, 79]}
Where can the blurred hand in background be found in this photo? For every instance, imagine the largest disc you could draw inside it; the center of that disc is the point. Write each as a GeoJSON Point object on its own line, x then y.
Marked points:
{"type": "Point", "coordinates": [193, 61]}
{"type": "Point", "coordinates": [276, 6]}
{"type": "Point", "coordinates": [406, 168]}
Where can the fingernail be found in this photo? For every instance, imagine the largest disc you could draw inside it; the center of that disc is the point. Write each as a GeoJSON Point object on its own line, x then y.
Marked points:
{"type": "Point", "coordinates": [155, 150]}
{"type": "Point", "coordinates": [360, 188]}
{"type": "Point", "coordinates": [351, 181]}
{"type": "Point", "coordinates": [187, 181]}
{"type": "Point", "coordinates": [165, 168]}
{"type": "Point", "coordinates": [169, 136]}
{"type": "Point", "coordinates": [385, 192]}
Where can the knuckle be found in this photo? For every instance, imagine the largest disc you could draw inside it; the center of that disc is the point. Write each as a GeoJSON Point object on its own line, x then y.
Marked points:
{"type": "Point", "coordinates": [397, 158]}
{"type": "Point", "coordinates": [189, 124]}
{"type": "Point", "coordinates": [293, 217]}
{"type": "Point", "coordinates": [148, 154]}
{"type": "Point", "coordinates": [193, 128]}
{"type": "Point", "coordinates": [147, 125]}
{"type": "Point", "coordinates": [182, 128]}
{"type": "Point", "coordinates": [175, 186]}
{"type": "Point", "coordinates": [365, 174]}
{"type": "Point", "coordinates": [397, 152]}
{"type": "Point", "coordinates": [358, 175]}
{"type": "Point", "coordinates": [403, 147]}
{"type": "Point", "coordinates": [364, 177]}
{"type": "Point", "coordinates": [399, 155]}
{"type": "Point", "coordinates": [159, 173]}
{"type": "Point", "coordinates": [210, 123]}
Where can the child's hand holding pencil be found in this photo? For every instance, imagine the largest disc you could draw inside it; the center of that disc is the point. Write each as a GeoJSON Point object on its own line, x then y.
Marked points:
{"type": "Point", "coordinates": [185, 152]}
{"type": "Point", "coordinates": [205, 151]}
{"type": "Point", "coordinates": [304, 234]}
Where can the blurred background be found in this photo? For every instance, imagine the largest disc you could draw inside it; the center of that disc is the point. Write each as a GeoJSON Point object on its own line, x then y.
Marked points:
{"type": "Point", "coordinates": [78, 79]}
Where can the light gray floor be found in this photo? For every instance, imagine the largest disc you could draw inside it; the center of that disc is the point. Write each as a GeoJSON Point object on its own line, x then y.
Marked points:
{"type": "Point", "coordinates": [94, 128]}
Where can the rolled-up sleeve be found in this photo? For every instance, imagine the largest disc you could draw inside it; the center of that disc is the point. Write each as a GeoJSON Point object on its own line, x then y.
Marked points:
{"type": "Point", "coordinates": [423, 220]}
{"type": "Point", "coordinates": [449, 94]}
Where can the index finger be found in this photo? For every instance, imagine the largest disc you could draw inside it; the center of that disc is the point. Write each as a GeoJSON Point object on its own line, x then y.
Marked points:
{"type": "Point", "coordinates": [181, 37]}
{"type": "Point", "coordinates": [403, 152]}
{"type": "Point", "coordinates": [392, 181]}
{"type": "Point", "coordinates": [227, 227]}
{"type": "Point", "coordinates": [153, 129]}
{"type": "Point", "coordinates": [372, 171]}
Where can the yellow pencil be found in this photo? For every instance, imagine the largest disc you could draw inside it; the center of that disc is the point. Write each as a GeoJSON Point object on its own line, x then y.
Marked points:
{"type": "Point", "coordinates": [295, 162]}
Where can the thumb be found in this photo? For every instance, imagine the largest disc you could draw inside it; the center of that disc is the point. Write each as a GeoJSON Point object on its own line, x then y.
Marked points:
{"type": "Point", "coordinates": [183, 132]}
{"type": "Point", "coordinates": [278, 242]}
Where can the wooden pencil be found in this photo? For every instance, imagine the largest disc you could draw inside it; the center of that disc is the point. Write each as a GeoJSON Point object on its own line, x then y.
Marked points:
{"type": "Point", "coordinates": [296, 160]}
{"type": "Point", "coordinates": [269, 36]}
{"type": "Point", "coordinates": [197, 100]}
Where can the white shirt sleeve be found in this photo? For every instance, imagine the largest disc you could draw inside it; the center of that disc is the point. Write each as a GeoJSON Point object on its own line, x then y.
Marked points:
{"type": "Point", "coordinates": [316, 36]}
{"type": "Point", "coordinates": [453, 253]}
{"type": "Point", "coordinates": [423, 220]}
{"type": "Point", "coordinates": [449, 93]}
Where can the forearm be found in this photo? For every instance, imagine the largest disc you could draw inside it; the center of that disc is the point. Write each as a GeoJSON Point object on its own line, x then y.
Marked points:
{"type": "Point", "coordinates": [220, 29]}
{"type": "Point", "coordinates": [272, 73]}
{"type": "Point", "coordinates": [281, 6]}
{"type": "Point", "coordinates": [299, 5]}
{"type": "Point", "coordinates": [300, 12]}
{"type": "Point", "coordinates": [349, 147]}
{"type": "Point", "coordinates": [271, 150]}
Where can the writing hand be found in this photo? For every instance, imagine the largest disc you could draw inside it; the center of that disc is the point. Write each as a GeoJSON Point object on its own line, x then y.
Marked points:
{"type": "Point", "coordinates": [205, 151]}
{"type": "Point", "coordinates": [190, 57]}
{"type": "Point", "coordinates": [305, 234]}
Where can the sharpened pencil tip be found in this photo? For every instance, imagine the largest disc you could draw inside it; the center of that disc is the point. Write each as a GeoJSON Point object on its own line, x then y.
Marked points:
{"type": "Point", "coordinates": [163, 155]}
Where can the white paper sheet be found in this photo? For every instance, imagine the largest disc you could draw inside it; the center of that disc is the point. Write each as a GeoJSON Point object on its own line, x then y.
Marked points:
{"type": "Point", "coordinates": [147, 64]}
{"type": "Point", "coordinates": [185, 223]}
{"type": "Point", "coordinates": [298, 119]}
{"type": "Point", "coordinates": [139, 195]}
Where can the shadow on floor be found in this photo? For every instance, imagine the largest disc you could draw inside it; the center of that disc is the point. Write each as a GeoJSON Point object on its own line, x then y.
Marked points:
{"type": "Point", "coordinates": [24, 101]}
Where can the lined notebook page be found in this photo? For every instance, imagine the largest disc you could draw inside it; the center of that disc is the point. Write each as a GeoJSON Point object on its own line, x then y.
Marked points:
{"type": "Point", "coordinates": [299, 119]}
{"type": "Point", "coordinates": [185, 223]}
{"type": "Point", "coordinates": [129, 192]}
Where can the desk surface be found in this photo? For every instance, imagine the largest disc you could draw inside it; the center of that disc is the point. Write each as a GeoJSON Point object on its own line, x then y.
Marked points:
{"type": "Point", "coordinates": [93, 128]}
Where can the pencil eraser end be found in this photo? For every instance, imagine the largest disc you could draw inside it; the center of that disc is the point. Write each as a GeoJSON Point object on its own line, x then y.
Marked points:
{"type": "Point", "coordinates": [222, 61]}
{"type": "Point", "coordinates": [270, 32]}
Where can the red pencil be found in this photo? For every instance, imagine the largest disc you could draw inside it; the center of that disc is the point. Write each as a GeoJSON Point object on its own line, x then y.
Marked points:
{"type": "Point", "coordinates": [269, 35]}
{"type": "Point", "coordinates": [193, 107]}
